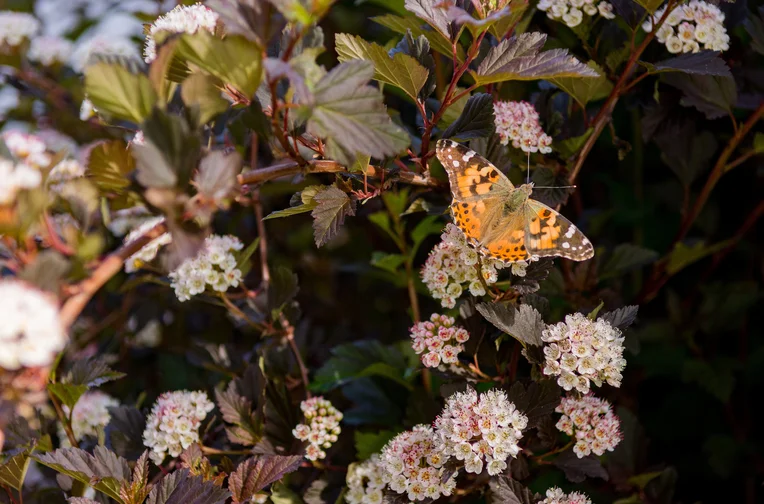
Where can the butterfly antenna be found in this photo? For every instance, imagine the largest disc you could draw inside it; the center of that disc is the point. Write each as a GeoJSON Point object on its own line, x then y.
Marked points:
{"type": "Point", "coordinates": [556, 187]}
{"type": "Point", "coordinates": [528, 177]}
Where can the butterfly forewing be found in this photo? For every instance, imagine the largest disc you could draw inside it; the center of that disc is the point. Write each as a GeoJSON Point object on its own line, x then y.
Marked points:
{"type": "Point", "coordinates": [472, 177]}
{"type": "Point", "coordinates": [550, 234]}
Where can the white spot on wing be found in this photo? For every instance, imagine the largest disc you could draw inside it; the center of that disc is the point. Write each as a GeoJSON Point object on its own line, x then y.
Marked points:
{"type": "Point", "coordinates": [571, 231]}
{"type": "Point", "coordinates": [566, 245]}
{"type": "Point", "coordinates": [468, 156]}
{"type": "Point", "coordinates": [456, 163]}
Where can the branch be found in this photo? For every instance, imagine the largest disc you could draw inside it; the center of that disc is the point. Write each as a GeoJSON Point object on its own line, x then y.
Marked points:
{"type": "Point", "coordinates": [289, 333]}
{"type": "Point", "coordinates": [107, 269]}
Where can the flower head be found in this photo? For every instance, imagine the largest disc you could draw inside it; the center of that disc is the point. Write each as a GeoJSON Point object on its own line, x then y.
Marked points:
{"type": "Point", "coordinates": [690, 28]}
{"type": "Point", "coordinates": [48, 50]}
{"type": "Point", "coordinates": [173, 424]}
{"type": "Point", "coordinates": [365, 482]}
{"type": "Point", "coordinates": [518, 123]}
{"type": "Point", "coordinates": [102, 45]}
{"type": "Point", "coordinates": [149, 251]}
{"type": "Point", "coordinates": [591, 422]}
{"type": "Point", "coordinates": [17, 26]}
{"type": "Point", "coordinates": [556, 496]}
{"type": "Point", "coordinates": [321, 427]}
{"type": "Point", "coordinates": [64, 171]}
{"type": "Point", "coordinates": [571, 12]}
{"type": "Point", "coordinates": [182, 19]}
{"type": "Point", "coordinates": [15, 177]}
{"type": "Point", "coordinates": [31, 333]}
{"type": "Point", "coordinates": [438, 340]}
{"type": "Point", "coordinates": [90, 413]}
{"type": "Point", "coordinates": [581, 351]}
{"type": "Point", "coordinates": [213, 267]}
{"type": "Point", "coordinates": [27, 148]}
{"type": "Point", "coordinates": [480, 430]}
{"type": "Point", "coordinates": [414, 464]}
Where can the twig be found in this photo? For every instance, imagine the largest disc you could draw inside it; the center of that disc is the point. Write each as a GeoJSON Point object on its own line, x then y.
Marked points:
{"type": "Point", "coordinates": [258, 205]}
{"type": "Point", "coordinates": [63, 419]}
{"type": "Point", "coordinates": [289, 333]}
{"type": "Point", "coordinates": [207, 450]}
{"type": "Point", "coordinates": [107, 269]}
{"type": "Point", "coordinates": [237, 311]}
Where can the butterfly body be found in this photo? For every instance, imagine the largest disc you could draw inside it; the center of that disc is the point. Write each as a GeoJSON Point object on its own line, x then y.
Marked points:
{"type": "Point", "coordinates": [502, 220]}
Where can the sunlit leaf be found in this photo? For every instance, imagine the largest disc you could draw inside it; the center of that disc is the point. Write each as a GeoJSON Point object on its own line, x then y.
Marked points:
{"type": "Point", "coordinates": [404, 24]}
{"type": "Point", "coordinates": [204, 91]}
{"type": "Point", "coordinates": [586, 89]}
{"type": "Point", "coordinates": [120, 88]}
{"type": "Point", "coordinates": [332, 206]}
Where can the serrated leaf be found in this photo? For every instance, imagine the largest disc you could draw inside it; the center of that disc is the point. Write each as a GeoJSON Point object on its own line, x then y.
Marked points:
{"type": "Point", "coordinates": [650, 5]}
{"type": "Point", "coordinates": [104, 470]}
{"type": "Point", "coordinates": [419, 49]}
{"type": "Point", "coordinates": [246, 426]}
{"type": "Point", "coordinates": [109, 164]}
{"type": "Point", "coordinates": [163, 67]}
{"type": "Point", "coordinates": [578, 469]}
{"type": "Point", "coordinates": [685, 150]}
{"type": "Point", "coordinates": [170, 153]}
{"type": "Point", "coordinates": [180, 487]}
{"type": "Point", "coordinates": [66, 393]}
{"type": "Point", "coordinates": [235, 60]}
{"type": "Point", "coordinates": [332, 206]}
{"type": "Point", "coordinates": [352, 114]}
{"type": "Point", "coordinates": [585, 89]}
{"type": "Point", "coordinates": [536, 401]}
{"type": "Point", "coordinates": [713, 96]}
{"type": "Point", "coordinates": [288, 212]}
{"type": "Point", "coordinates": [505, 490]}
{"type": "Point", "coordinates": [475, 121]}
{"type": "Point", "coordinates": [700, 63]}
{"type": "Point", "coordinates": [120, 89]}
{"type": "Point", "coordinates": [204, 91]}
{"type": "Point", "coordinates": [256, 473]}
{"type": "Point", "coordinates": [682, 255]}
{"type": "Point", "coordinates": [125, 431]}
{"type": "Point", "coordinates": [91, 372]}
{"type": "Point", "coordinates": [216, 178]}
{"type": "Point", "coordinates": [47, 271]}
{"type": "Point", "coordinates": [369, 443]}
{"type": "Point", "coordinates": [519, 58]}
{"type": "Point", "coordinates": [432, 13]}
{"type": "Point", "coordinates": [281, 415]}
{"type": "Point", "coordinates": [626, 257]}
{"type": "Point", "coordinates": [622, 317]}
{"type": "Point", "coordinates": [462, 17]}
{"type": "Point", "coordinates": [14, 470]}
{"type": "Point", "coordinates": [402, 25]}
{"type": "Point", "coordinates": [524, 323]}
{"type": "Point", "coordinates": [253, 19]}
{"type": "Point", "coordinates": [387, 262]}
{"type": "Point", "coordinates": [350, 360]}
{"type": "Point", "coordinates": [754, 25]}
{"type": "Point", "coordinates": [400, 70]}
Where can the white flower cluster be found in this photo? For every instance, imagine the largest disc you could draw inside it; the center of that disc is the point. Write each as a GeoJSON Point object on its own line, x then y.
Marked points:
{"type": "Point", "coordinates": [31, 333]}
{"type": "Point", "coordinates": [571, 12]}
{"type": "Point", "coordinates": [321, 428]}
{"type": "Point", "coordinates": [182, 19]}
{"type": "Point", "coordinates": [173, 424]}
{"type": "Point", "coordinates": [17, 26]}
{"type": "Point", "coordinates": [688, 26]}
{"type": "Point", "coordinates": [518, 122]}
{"type": "Point", "coordinates": [126, 219]}
{"type": "Point", "coordinates": [64, 171]}
{"type": "Point", "coordinates": [438, 340]}
{"type": "Point", "coordinates": [593, 423]}
{"type": "Point", "coordinates": [214, 267]}
{"type": "Point", "coordinates": [90, 413]}
{"type": "Point", "coordinates": [556, 496]}
{"type": "Point", "coordinates": [15, 177]}
{"type": "Point", "coordinates": [48, 50]}
{"type": "Point", "coordinates": [28, 148]}
{"type": "Point", "coordinates": [365, 481]}
{"type": "Point", "coordinates": [102, 45]}
{"type": "Point", "coordinates": [452, 263]}
{"type": "Point", "coordinates": [480, 429]}
{"type": "Point", "coordinates": [148, 252]}
{"type": "Point", "coordinates": [414, 464]}
{"type": "Point", "coordinates": [580, 350]}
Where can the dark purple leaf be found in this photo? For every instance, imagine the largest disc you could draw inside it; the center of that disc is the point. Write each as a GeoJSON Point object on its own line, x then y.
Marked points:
{"type": "Point", "coordinates": [256, 473]}
{"type": "Point", "coordinates": [578, 469]}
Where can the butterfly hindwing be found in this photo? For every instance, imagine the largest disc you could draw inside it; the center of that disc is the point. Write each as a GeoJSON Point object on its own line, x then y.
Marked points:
{"type": "Point", "coordinates": [550, 234]}
{"type": "Point", "coordinates": [476, 218]}
{"type": "Point", "coordinates": [507, 242]}
{"type": "Point", "coordinates": [472, 177]}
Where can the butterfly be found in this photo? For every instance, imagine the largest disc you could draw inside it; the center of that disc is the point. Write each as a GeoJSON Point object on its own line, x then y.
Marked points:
{"type": "Point", "coordinates": [501, 220]}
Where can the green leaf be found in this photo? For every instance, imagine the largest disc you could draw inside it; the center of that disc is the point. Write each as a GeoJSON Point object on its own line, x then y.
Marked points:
{"type": "Point", "coordinates": [120, 89]}
{"type": "Point", "coordinates": [256, 473]}
{"type": "Point", "coordinates": [430, 225]}
{"type": "Point", "coordinates": [650, 5]}
{"type": "Point", "coordinates": [700, 63]}
{"type": "Point", "coordinates": [288, 212]}
{"type": "Point", "coordinates": [166, 70]}
{"type": "Point", "coordinates": [332, 206]}
{"type": "Point", "coordinates": [282, 288]}
{"type": "Point", "coordinates": [754, 25]}
{"type": "Point", "coordinates": [585, 89]}
{"type": "Point", "coordinates": [712, 95]}
{"type": "Point", "coordinates": [519, 58]}
{"type": "Point", "coordinates": [758, 143]}
{"type": "Point", "coordinates": [14, 470]}
{"type": "Point", "coordinates": [104, 470]}
{"type": "Point", "coordinates": [387, 262]}
{"type": "Point", "coordinates": [350, 361]}
{"type": "Point", "coordinates": [475, 121]}
{"type": "Point", "coordinates": [685, 150]}
{"type": "Point", "coordinates": [402, 25]}
{"type": "Point", "coordinates": [682, 255]}
{"type": "Point", "coordinates": [109, 164]}
{"type": "Point", "coordinates": [352, 114]}
{"type": "Point", "coordinates": [170, 153]}
{"type": "Point", "coordinates": [401, 70]}
{"type": "Point", "coordinates": [281, 494]}
{"type": "Point", "coordinates": [66, 393]}
{"type": "Point", "coordinates": [243, 257]}
{"type": "Point", "coordinates": [419, 49]}
{"type": "Point", "coordinates": [204, 91]}
{"type": "Point", "coordinates": [369, 443]}
{"type": "Point", "coordinates": [385, 370]}
{"type": "Point", "coordinates": [235, 60]}
{"type": "Point", "coordinates": [626, 257]}
{"type": "Point", "coordinates": [716, 378]}
{"type": "Point", "coordinates": [91, 372]}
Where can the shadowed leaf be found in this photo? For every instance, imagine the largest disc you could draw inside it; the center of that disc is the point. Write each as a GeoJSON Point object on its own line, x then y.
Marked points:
{"type": "Point", "coordinates": [403, 25]}
{"type": "Point", "coordinates": [585, 89]}
{"type": "Point", "coordinates": [578, 469]}
{"type": "Point", "coordinates": [622, 317]}
{"type": "Point", "coordinates": [256, 473]}
{"type": "Point", "coordinates": [432, 13]}
{"type": "Point", "coordinates": [536, 401]}
{"type": "Point", "coordinates": [712, 95]}
{"type": "Point", "coordinates": [505, 490]}
{"type": "Point", "coordinates": [476, 120]}
{"type": "Point", "coordinates": [104, 470]}
{"type": "Point", "coordinates": [700, 63]}
{"type": "Point", "coordinates": [524, 324]}
{"type": "Point", "coordinates": [332, 206]}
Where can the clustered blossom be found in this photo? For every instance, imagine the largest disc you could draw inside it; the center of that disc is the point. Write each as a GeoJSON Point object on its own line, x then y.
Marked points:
{"type": "Point", "coordinates": [27, 148]}
{"type": "Point", "coordinates": [17, 26]}
{"type": "Point", "coordinates": [126, 219]}
{"type": "Point", "coordinates": [104, 46]}
{"type": "Point", "coordinates": [518, 122]}
{"type": "Point", "coordinates": [365, 481]}
{"type": "Point", "coordinates": [182, 19]}
{"type": "Point", "coordinates": [321, 427]}
{"type": "Point", "coordinates": [480, 429]}
{"type": "Point", "coordinates": [148, 252]}
{"type": "Point", "coordinates": [214, 267]}
{"type": "Point", "coordinates": [571, 12]}
{"type": "Point", "coordinates": [173, 424]}
{"type": "Point", "coordinates": [15, 177]}
{"type": "Point", "coordinates": [64, 171]}
{"type": "Point", "coordinates": [90, 413]}
{"type": "Point", "coordinates": [48, 50]}
{"type": "Point", "coordinates": [556, 496]}
{"type": "Point", "coordinates": [452, 264]}
{"type": "Point", "coordinates": [592, 422]}
{"type": "Point", "coordinates": [414, 464]}
{"type": "Point", "coordinates": [31, 333]}
{"type": "Point", "coordinates": [438, 340]}
{"type": "Point", "coordinates": [581, 351]}
{"type": "Point", "coordinates": [688, 26]}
